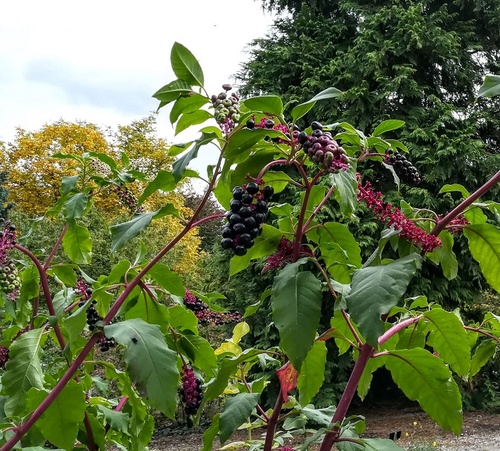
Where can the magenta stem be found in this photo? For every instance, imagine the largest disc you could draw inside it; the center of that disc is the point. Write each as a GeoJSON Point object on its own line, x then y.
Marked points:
{"type": "Point", "coordinates": [56, 247]}
{"type": "Point", "coordinates": [318, 208]}
{"type": "Point", "coordinates": [397, 327]}
{"type": "Point", "coordinates": [465, 203]}
{"type": "Point", "coordinates": [208, 218]}
{"type": "Point", "coordinates": [271, 425]}
{"type": "Point", "coordinates": [269, 165]}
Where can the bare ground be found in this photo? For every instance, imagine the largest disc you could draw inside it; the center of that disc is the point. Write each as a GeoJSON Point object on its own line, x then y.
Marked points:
{"type": "Point", "coordinates": [480, 432]}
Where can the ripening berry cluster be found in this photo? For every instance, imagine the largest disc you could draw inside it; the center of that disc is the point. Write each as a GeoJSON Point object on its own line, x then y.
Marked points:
{"type": "Point", "coordinates": [9, 278]}
{"type": "Point", "coordinates": [4, 356]}
{"type": "Point", "coordinates": [323, 150]}
{"type": "Point", "coordinates": [247, 214]}
{"type": "Point", "coordinates": [403, 168]}
{"type": "Point", "coordinates": [105, 343]}
{"type": "Point", "coordinates": [227, 108]}
{"type": "Point", "coordinates": [191, 391]}
{"type": "Point", "coordinates": [271, 125]}
{"type": "Point", "coordinates": [127, 198]}
{"type": "Point", "coordinates": [207, 316]}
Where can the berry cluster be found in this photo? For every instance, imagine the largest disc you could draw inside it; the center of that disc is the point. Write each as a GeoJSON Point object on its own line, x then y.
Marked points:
{"type": "Point", "coordinates": [4, 356]}
{"type": "Point", "coordinates": [403, 168]}
{"type": "Point", "coordinates": [105, 343]}
{"type": "Point", "coordinates": [283, 255]}
{"type": "Point", "coordinates": [128, 199]}
{"type": "Point", "coordinates": [270, 125]}
{"type": "Point", "coordinates": [457, 224]}
{"type": "Point", "coordinates": [83, 291]}
{"type": "Point", "coordinates": [191, 391]}
{"type": "Point", "coordinates": [244, 220]}
{"type": "Point", "coordinates": [227, 108]}
{"type": "Point", "coordinates": [9, 278]}
{"type": "Point", "coordinates": [394, 217]}
{"type": "Point", "coordinates": [323, 150]}
{"type": "Point", "coordinates": [205, 315]}
{"type": "Point", "coordinates": [92, 316]}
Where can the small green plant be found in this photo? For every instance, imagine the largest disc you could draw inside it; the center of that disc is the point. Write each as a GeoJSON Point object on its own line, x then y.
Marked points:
{"type": "Point", "coordinates": [142, 307]}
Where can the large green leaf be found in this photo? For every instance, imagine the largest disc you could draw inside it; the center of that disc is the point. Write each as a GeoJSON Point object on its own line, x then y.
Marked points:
{"type": "Point", "coordinates": [490, 86]}
{"type": "Point", "coordinates": [59, 423]}
{"type": "Point", "coordinates": [303, 108]}
{"type": "Point", "coordinates": [149, 310]}
{"type": "Point", "coordinates": [77, 244]}
{"type": "Point", "coordinates": [210, 434]}
{"type": "Point", "coordinates": [199, 351]}
{"type": "Point", "coordinates": [386, 126]}
{"type": "Point", "coordinates": [267, 104]}
{"type": "Point", "coordinates": [346, 188]}
{"type": "Point", "coordinates": [296, 305]}
{"type": "Point", "coordinates": [446, 256]}
{"type": "Point", "coordinates": [68, 183]}
{"type": "Point", "coordinates": [167, 279]}
{"type": "Point", "coordinates": [124, 232]}
{"type": "Point", "coordinates": [343, 334]}
{"type": "Point", "coordinates": [449, 339]}
{"type": "Point", "coordinates": [65, 273]}
{"type": "Point", "coordinates": [74, 207]}
{"type": "Point", "coordinates": [164, 181]}
{"type": "Point", "coordinates": [339, 250]}
{"type": "Point", "coordinates": [187, 104]}
{"type": "Point", "coordinates": [483, 352]}
{"type": "Point", "coordinates": [425, 378]}
{"type": "Point", "coordinates": [189, 119]}
{"type": "Point", "coordinates": [375, 290]}
{"type": "Point", "coordinates": [237, 409]}
{"type": "Point", "coordinates": [185, 65]}
{"type": "Point", "coordinates": [265, 244]}
{"type": "Point", "coordinates": [150, 363]}
{"type": "Point", "coordinates": [243, 140]}
{"type": "Point", "coordinates": [171, 92]}
{"type": "Point", "coordinates": [23, 370]}
{"type": "Point", "coordinates": [312, 372]}
{"type": "Point", "coordinates": [180, 165]}
{"type": "Point", "coordinates": [183, 319]}
{"type": "Point", "coordinates": [484, 245]}
{"type": "Point", "coordinates": [365, 381]}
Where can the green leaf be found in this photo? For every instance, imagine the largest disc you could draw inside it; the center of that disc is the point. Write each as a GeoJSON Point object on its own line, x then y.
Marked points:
{"type": "Point", "coordinates": [484, 245]}
{"type": "Point", "coordinates": [265, 244]}
{"type": "Point", "coordinates": [343, 332]}
{"type": "Point", "coordinates": [243, 140]}
{"type": "Point", "coordinates": [449, 339]}
{"type": "Point", "coordinates": [236, 411]}
{"type": "Point", "coordinates": [65, 273]}
{"type": "Point", "coordinates": [63, 299]}
{"type": "Point", "coordinates": [303, 108]}
{"type": "Point", "coordinates": [23, 370]}
{"type": "Point", "coordinates": [199, 351]}
{"type": "Point", "coordinates": [312, 372]}
{"type": "Point", "coordinates": [163, 181]}
{"type": "Point", "coordinates": [483, 352]}
{"type": "Point", "coordinates": [267, 104]}
{"type": "Point", "coordinates": [74, 324]}
{"type": "Point", "coordinates": [117, 420]}
{"type": "Point", "coordinates": [150, 363]}
{"type": "Point", "coordinates": [445, 255]}
{"type": "Point", "coordinates": [183, 319]}
{"type": "Point", "coordinates": [185, 65]}
{"type": "Point", "coordinates": [365, 381]}
{"type": "Point", "coordinates": [319, 416]}
{"type": "Point", "coordinates": [386, 126]}
{"type": "Point", "coordinates": [171, 92]}
{"type": "Point", "coordinates": [124, 232]}
{"type": "Point", "coordinates": [277, 179]}
{"type": "Point", "coordinates": [74, 207]}
{"type": "Point", "coordinates": [68, 183]}
{"type": "Point", "coordinates": [77, 244]}
{"type": "Point", "coordinates": [149, 310]}
{"type": "Point", "coordinates": [425, 378]}
{"type": "Point", "coordinates": [210, 434]}
{"type": "Point", "coordinates": [375, 290]}
{"type": "Point", "coordinates": [180, 165]}
{"type": "Point", "coordinates": [189, 119]}
{"type": "Point", "coordinates": [187, 104]}
{"type": "Point", "coordinates": [490, 86]}
{"type": "Point", "coordinates": [59, 423]}
{"type": "Point", "coordinates": [380, 444]}
{"type": "Point", "coordinates": [296, 305]}
{"type": "Point", "coordinates": [167, 279]}
{"type": "Point", "coordinates": [339, 250]}
{"type": "Point", "coordinates": [455, 187]}
{"type": "Point", "coordinates": [166, 210]}
{"type": "Point", "coordinates": [346, 188]}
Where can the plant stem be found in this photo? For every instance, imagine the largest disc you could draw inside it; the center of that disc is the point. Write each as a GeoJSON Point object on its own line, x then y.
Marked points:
{"type": "Point", "coordinates": [273, 420]}
{"type": "Point", "coordinates": [346, 399]}
{"type": "Point", "coordinates": [208, 218]}
{"type": "Point", "coordinates": [397, 327]}
{"type": "Point", "coordinates": [56, 247]}
{"type": "Point", "coordinates": [269, 165]}
{"type": "Point", "coordinates": [38, 412]}
{"type": "Point", "coordinates": [318, 208]}
{"type": "Point", "coordinates": [465, 203]}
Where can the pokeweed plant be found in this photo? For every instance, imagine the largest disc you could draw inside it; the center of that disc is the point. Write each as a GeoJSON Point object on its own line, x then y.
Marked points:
{"type": "Point", "coordinates": [143, 311]}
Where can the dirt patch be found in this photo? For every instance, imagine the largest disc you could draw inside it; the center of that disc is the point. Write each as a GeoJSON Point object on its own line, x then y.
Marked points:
{"type": "Point", "coordinates": [480, 432]}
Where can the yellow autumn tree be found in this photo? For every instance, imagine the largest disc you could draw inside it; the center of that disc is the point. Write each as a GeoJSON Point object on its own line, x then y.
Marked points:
{"type": "Point", "coordinates": [35, 174]}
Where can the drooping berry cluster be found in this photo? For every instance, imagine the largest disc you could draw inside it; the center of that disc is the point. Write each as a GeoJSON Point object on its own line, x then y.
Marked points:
{"type": "Point", "coordinates": [323, 150]}
{"type": "Point", "coordinates": [283, 255]}
{"type": "Point", "coordinates": [92, 316]}
{"type": "Point", "coordinates": [127, 199]}
{"type": "Point", "coordinates": [227, 108]}
{"type": "Point", "coordinates": [394, 217]}
{"type": "Point", "coordinates": [457, 224]}
{"type": "Point", "coordinates": [403, 168]}
{"type": "Point", "coordinates": [207, 316]}
{"type": "Point", "coordinates": [83, 291]}
{"type": "Point", "coordinates": [271, 125]}
{"type": "Point", "coordinates": [4, 356]}
{"type": "Point", "coordinates": [9, 275]}
{"type": "Point", "coordinates": [191, 391]}
{"type": "Point", "coordinates": [244, 220]}
{"type": "Point", "coordinates": [105, 343]}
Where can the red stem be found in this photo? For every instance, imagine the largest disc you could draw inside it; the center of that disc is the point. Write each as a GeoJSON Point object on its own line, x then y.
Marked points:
{"type": "Point", "coordinates": [268, 165]}
{"type": "Point", "coordinates": [465, 203]}
{"type": "Point", "coordinates": [397, 327]}
{"type": "Point", "coordinates": [318, 208]}
{"type": "Point", "coordinates": [38, 412]}
{"type": "Point", "coordinates": [273, 420]}
{"type": "Point", "coordinates": [56, 247]}
{"type": "Point", "coordinates": [346, 399]}
{"type": "Point", "coordinates": [208, 218]}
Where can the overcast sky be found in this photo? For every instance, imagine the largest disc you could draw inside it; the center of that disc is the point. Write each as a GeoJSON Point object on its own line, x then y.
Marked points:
{"type": "Point", "coordinates": [101, 60]}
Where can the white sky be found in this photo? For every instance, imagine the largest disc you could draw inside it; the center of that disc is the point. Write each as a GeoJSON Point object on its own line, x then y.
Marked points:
{"type": "Point", "coordinates": [101, 60]}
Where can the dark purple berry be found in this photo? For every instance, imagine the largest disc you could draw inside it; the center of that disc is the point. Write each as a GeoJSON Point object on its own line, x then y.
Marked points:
{"type": "Point", "coordinates": [315, 125]}
{"type": "Point", "coordinates": [239, 228]}
{"type": "Point", "coordinates": [235, 205]}
{"type": "Point", "coordinates": [227, 232]}
{"type": "Point", "coordinates": [252, 188]}
{"type": "Point", "coordinates": [268, 192]}
{"type": "Point", "coordinates": [227, 243]}
{"type": "Point", "coordinates": [246, 240]}
{"type": "Point", "coordinates": [302, 137]}
{"type": "Point", "coordinates": [235, 219]}
{"type": "Point", "coordinates": [238, 191]}
{"type": "Point", "coordinates": [269, 123]}
{"type": "Point", "coordinates": [240, 250]}
{"type": "Point", "coordinates": [260, 217]}
{"type": "Point", "coordinates": [254, 233]}
{"type": "Point", "coordinates": [250, 124]}
{"type": "Point", "coordinates": [245, 212]}
{"type": "Point", "coordinates": [261, 206]}
{"type": "Point", "coordinates": [250, 223]}
{"type": "Point", "coordinates": [247, 198]}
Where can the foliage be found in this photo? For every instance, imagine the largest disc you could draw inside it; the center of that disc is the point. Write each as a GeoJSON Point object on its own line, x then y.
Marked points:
{"type": "Point", "coordinates": [142, 308]}
{"type": "Point", "coordinates": [4, 192]}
